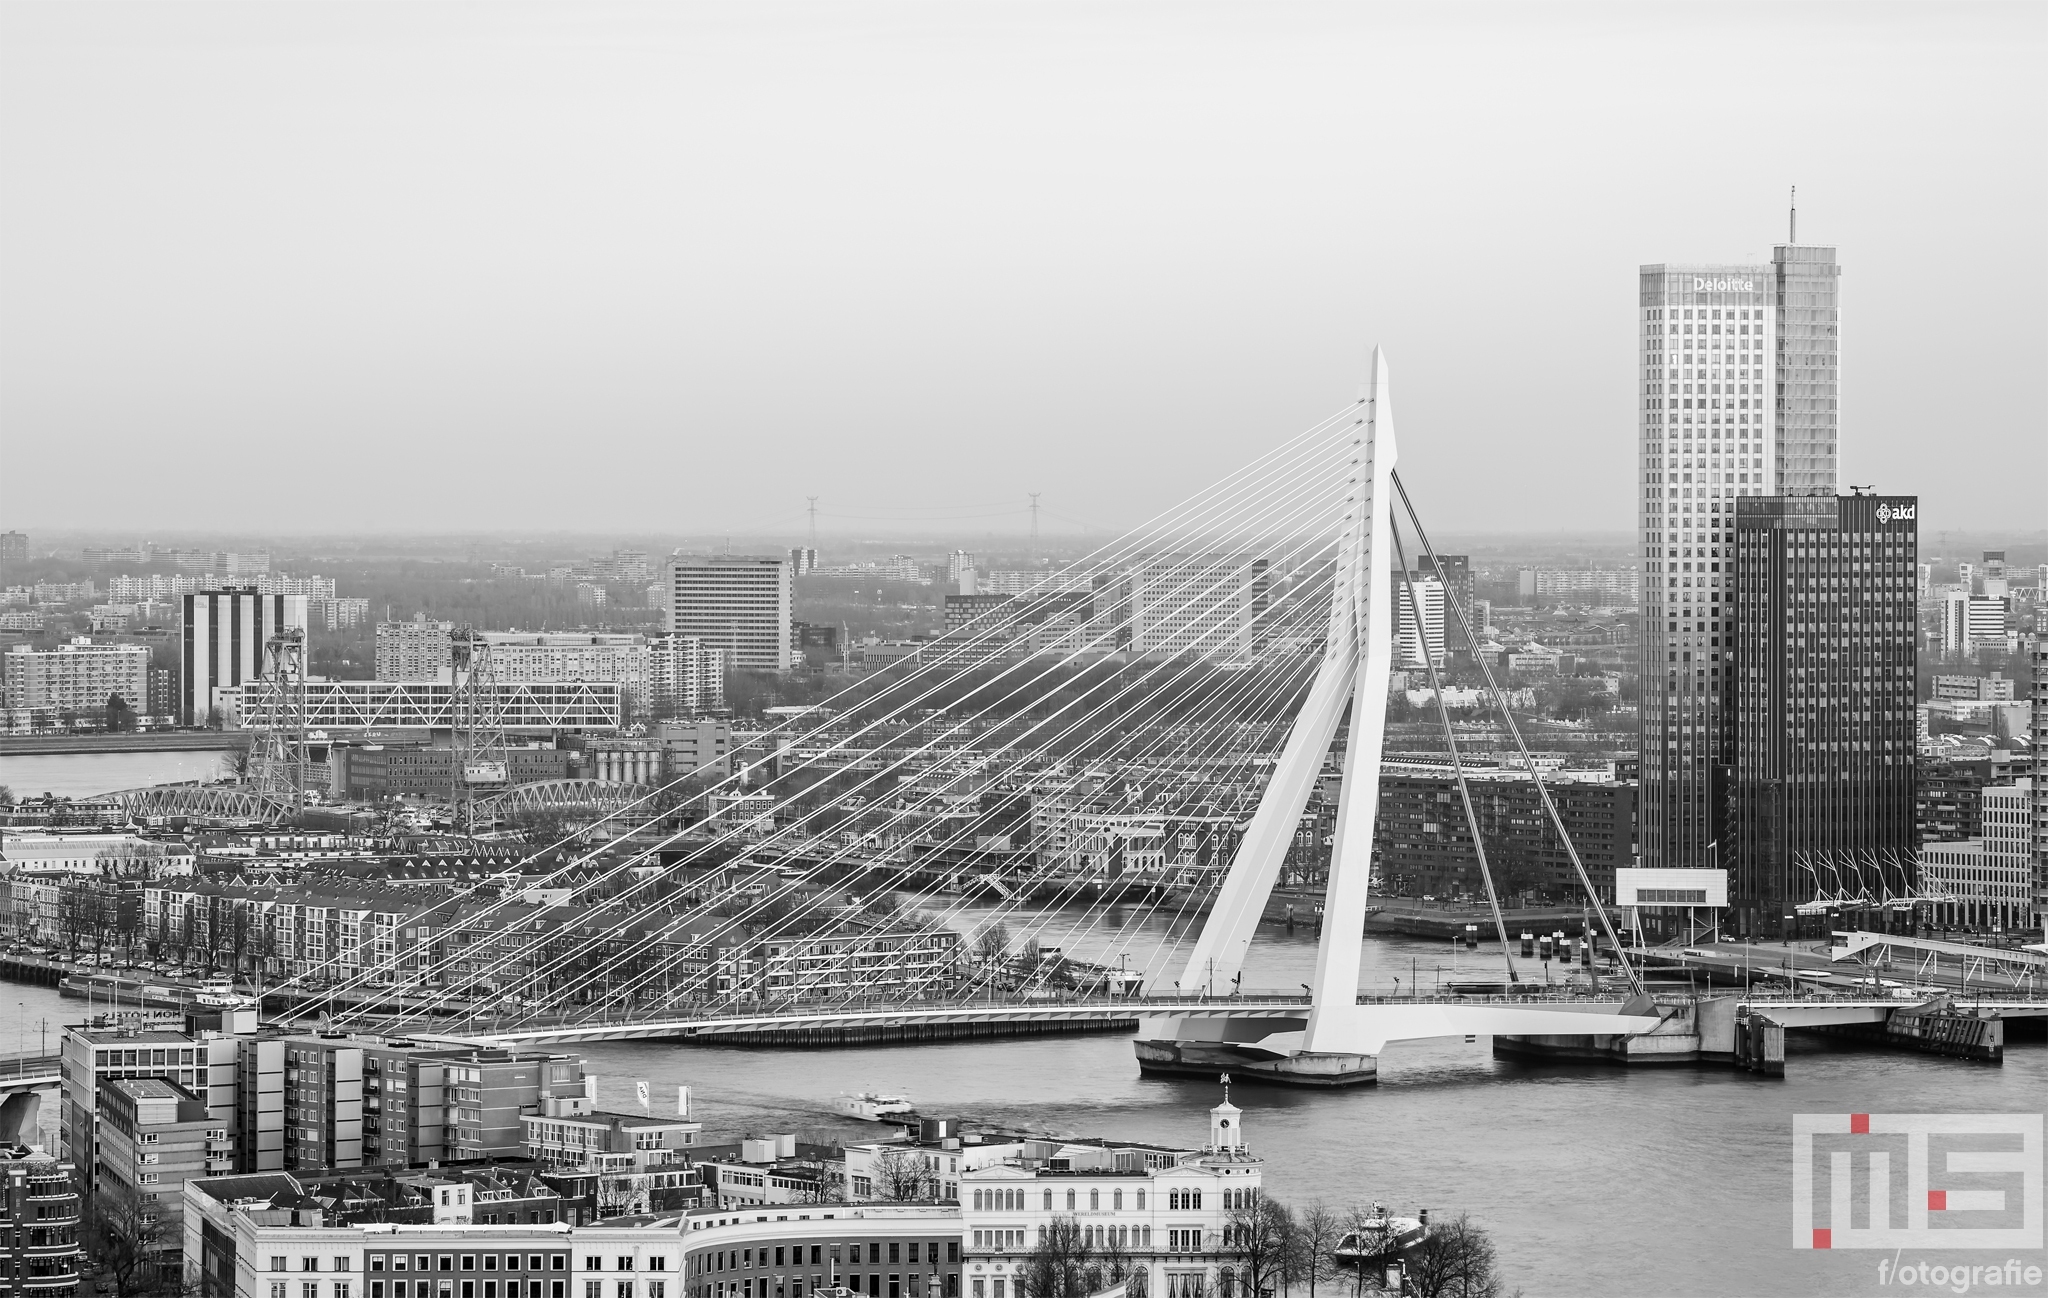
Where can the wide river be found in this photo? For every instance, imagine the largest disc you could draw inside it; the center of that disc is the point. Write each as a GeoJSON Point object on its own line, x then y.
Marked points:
{"type": "Point", "coordinates": [1593, 1180]}
{"type": "Point", "coordinates": [79, 775]}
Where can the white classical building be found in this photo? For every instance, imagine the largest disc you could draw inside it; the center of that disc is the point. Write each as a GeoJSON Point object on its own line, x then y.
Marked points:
{"type": "Point", "coordinates": [1167, 1211]}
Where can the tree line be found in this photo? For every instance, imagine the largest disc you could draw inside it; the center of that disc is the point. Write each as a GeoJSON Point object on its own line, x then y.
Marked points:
{"type": "Point", "coordinates": [1274, 1250]}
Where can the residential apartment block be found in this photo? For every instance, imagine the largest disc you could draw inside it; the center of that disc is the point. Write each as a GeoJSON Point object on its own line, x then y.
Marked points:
{"type": "Point", "coordinates": [1425, 845]}
{"type": "Point", "coordinates": [79, 677]}
{"type": "Point", "coordinates": [740, 604]}
{"type": "Point", "coordinates": [416, 650]}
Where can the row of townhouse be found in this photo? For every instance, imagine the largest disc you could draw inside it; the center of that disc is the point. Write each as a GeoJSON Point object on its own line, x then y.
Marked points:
{"type": "Point", "coordinates": [537, 946]}
{"type": "Point", "coordinates": [1094, 836]}
{"type": "Point", "coordinates": [386, 935]}
{"type": "Point", "coordinates": [809, 954]}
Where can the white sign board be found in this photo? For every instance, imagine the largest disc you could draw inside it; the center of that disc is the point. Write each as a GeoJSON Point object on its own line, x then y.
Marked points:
{"type": "Point", "coordinates": [1639, 887]}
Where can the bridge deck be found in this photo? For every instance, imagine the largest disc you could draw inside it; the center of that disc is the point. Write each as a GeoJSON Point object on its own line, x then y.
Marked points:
{"type": "Point", "coordinates": [1101, 1013]}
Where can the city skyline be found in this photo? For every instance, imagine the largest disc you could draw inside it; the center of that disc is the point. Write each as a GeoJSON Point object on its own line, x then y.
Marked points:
{"type": "Point", "coordinates": [1038, 340]}
{"type": "Point", "coordinates": [680, 650]}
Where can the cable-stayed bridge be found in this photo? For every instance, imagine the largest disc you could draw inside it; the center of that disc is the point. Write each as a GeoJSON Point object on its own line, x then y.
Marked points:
{"type": "Point", "coordinates": [1138, 735]}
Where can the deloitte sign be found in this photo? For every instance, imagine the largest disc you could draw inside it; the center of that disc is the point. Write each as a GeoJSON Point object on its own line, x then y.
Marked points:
{"type": "Point", "coordinates": [1701, 284]}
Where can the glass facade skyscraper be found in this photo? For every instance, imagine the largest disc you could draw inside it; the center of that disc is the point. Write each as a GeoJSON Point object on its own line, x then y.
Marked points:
{"type": "Point", "coordinates": [1821, 631]}
{"type": "Point", "coordinates": [1739, 397]}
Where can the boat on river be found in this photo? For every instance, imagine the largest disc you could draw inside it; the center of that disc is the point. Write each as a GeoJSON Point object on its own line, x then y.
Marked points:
{"type": "Point", "coordinates": [1380, 1238]}
{"type": "Point", "coordinates": [870, 1107]}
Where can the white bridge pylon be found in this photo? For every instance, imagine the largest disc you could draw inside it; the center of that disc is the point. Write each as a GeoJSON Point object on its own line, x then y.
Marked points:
{"type": "Point", "coordinates": [1340, 1040]}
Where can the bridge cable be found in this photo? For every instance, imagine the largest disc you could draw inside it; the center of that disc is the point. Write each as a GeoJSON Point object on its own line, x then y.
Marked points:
{"type": "Point", "coordinates": [907, 703]}
{"type": "Point", "coordinates": [1542, 791]}
{"type": "Point", "coordinates": [1443, 713]}
{"type": "Point", "coordinates": [1165, 738]}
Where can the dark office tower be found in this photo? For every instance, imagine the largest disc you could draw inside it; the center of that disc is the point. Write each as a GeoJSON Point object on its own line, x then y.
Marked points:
{"type": "Point", "coordinates": [1455, 572]}
{"type": "Point", "coordinates": [2040, 737]}
{"type": "Point", "coordinates": [1817, 702]}
{"type": "Point", "coordinates": [1737, 389]}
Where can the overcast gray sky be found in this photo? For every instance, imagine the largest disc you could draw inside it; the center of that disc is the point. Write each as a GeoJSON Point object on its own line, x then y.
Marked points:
{"type": "Point", "coordinates": [675, 267]}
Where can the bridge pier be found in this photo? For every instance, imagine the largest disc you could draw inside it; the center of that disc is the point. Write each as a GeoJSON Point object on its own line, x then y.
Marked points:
{"type": "Point", "coordinates": [1760, 1045]}
{"type": "Point", "coordinates": [1934, 1029]}
{"type": "Point", "coordinates": [1712, 1030]}
{"type": "Point", "coordinates": [1205, 1059]}
{"type": "Point", "coordinates": [18, 1114]}
{"type": "Point", "coordinates": [1676, 1040]}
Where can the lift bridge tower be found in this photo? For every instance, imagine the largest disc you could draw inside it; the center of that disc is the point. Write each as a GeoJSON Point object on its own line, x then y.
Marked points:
{"type": "Point", "coordinates": [278, 761]}
{"type": "Point", "coordinates": [476, 720]}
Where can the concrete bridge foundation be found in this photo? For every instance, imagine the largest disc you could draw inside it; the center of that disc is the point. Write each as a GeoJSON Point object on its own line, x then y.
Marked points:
{"type": "Point", "coordinates": [1166, 1058]}
{"type": "Point", "coordinates": [18, 1114]}
{"type": "Point", "coordinates": [1675, 1040]}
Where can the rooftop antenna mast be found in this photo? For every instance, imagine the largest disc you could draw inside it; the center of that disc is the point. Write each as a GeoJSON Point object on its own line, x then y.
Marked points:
{"type": "Point", "coordinates": [1794, 236]}
{"type": "Point", "coordinates": [814, 520]}
{"type": "Point", "coordinates": [1034, 525]}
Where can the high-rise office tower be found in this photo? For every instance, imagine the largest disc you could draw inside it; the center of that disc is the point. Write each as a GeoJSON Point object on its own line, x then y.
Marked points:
{"type": "Point", "coordinates": [1738, 398]}
{"type": "Point", "coordinates": [1414, 636]}
{"type": "Point", "coordinates": [1817, 687]}
{"type": "Point", "coordinates": [2040, 737]}
{"type": "Point", "coordinates": [1455, 572]}
{"type": "Point", "coordinates": [224, 632]}
{"type": "Point", "coordinates": [740, 604]}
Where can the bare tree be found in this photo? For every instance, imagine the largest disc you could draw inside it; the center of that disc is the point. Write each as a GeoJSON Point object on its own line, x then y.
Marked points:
{"type": "Point", "coordinates": [1373, 1234]}
{"type": "Point", "coordinates": [904, 1175]}
{"type": "Point", "coordinates": [1456, 1261]}
{"type": "Point", "coordinates": [1316, 1234]}
{"type": "Point", "coordinates": [992, 942]}
{"type": "Point", "coordinates": [1260, 1233]}
{"type": "Point", "coordinates": [617, 1196]}
{"type": "Point", "coordinates": [1059, 1265]}
{"type": "Point", "coordinates": [1117, 1262]}
{"type": "Point", "coordinates": [128, 867]}
{"type": "Point", "coordinates": [126, 1236]}
{"type": "Point", "coordinates": [85, 913]}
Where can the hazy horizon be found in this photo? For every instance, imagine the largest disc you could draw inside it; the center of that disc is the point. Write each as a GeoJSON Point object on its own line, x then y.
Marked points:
{"type": "Point", "coordinates": [334, 267]}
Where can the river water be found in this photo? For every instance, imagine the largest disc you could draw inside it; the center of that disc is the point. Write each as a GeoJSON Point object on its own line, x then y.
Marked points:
{"type": "Point", "coordinates": [1593, 1180]}
{"type": "Point", "coordinates": [79, 775]}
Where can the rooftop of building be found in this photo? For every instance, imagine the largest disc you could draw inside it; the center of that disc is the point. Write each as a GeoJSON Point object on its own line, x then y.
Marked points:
{"type": "Point", "coordinates": [38, 1161]}
{"type": "Point", "coordinates": [255, 1189]}
{"type": "Point", "coordinates": [150, 1088]}
{"type": "Point", "coordinates": [628, 1121]}
{"type": "Point", "coordinates": [123, 1036]}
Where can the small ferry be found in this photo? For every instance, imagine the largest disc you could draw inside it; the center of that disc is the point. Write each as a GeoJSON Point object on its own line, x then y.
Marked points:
{"type": "Point", "coordinates": [1380, 1238]}
{"type": "Point", "coordinates": [220, 993]}
{"type": "Point", "coordinates": [869, 1107]}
